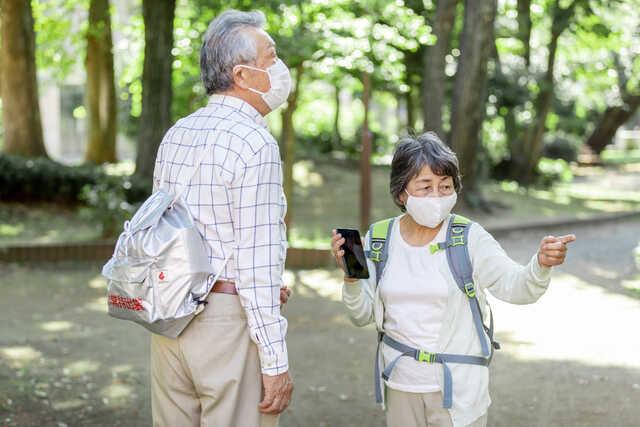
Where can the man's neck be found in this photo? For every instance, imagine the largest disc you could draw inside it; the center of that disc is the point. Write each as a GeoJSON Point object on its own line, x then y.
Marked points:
{"type": "Point", "coordinates": [249, 98]}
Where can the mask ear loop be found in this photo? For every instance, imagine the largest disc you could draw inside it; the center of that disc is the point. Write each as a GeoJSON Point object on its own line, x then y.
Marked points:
{"type": "Point", "coordinates": [256, 69]}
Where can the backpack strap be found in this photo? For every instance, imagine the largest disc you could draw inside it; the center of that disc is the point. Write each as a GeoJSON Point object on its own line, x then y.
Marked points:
{"type": "Point", "coordinates": [457, 251]}
{"type": "Point", "coordinates": [378, 252]}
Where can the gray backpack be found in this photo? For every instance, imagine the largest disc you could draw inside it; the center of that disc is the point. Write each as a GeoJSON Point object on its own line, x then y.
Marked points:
{"type": "Point", "coordinates": [159, 275]}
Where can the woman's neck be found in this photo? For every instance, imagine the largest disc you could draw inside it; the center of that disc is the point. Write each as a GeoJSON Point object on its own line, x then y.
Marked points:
{"type": "Point", "coordinates": [415, 234]}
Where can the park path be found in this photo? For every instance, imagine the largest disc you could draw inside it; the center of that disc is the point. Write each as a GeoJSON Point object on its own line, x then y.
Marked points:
{"type": "Point", "coordinates": [569, 360]}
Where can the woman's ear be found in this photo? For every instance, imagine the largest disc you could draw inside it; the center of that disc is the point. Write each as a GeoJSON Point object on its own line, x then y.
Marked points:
{"type": "Point", "coordinates": [403, 197]}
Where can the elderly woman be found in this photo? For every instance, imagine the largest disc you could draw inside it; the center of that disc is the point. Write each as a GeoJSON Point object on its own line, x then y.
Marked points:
{"type": "Point", "coordinates": [429, 271]}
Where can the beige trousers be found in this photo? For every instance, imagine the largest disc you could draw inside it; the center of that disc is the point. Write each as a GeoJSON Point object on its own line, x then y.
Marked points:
{"type": "Point", "coordinates": [210, 375]}
{"type": "Point", "coordinates": [420, 410]}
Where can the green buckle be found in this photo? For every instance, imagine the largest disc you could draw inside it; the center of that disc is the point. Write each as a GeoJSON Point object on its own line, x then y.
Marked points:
{"type": "Point", "coordinates": [470, 289]}
{"type": "Point", "coordinates": [457, 240]}
{"type": "Point", "coordinates": [425, 356]}
{"type": "Point", "coordinates": [434, 247]}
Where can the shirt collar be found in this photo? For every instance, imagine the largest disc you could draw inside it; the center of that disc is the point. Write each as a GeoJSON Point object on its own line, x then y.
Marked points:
{"type": "Point", "coordinates": [239, 105]}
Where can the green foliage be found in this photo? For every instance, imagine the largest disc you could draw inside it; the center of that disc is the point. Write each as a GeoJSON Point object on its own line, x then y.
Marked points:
{"type": "Point", "coordinates": [553, 171]}
{"type": "Point", "coordinates": [106, 203]}
{"type": "Point", "coordinates": [43, 180]}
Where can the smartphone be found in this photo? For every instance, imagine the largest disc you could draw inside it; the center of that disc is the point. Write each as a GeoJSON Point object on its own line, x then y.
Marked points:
{"type": "Point", "coordinates": [355, 263]}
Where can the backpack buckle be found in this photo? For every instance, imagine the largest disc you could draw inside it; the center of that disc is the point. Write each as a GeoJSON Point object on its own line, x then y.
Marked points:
{"type": "Point", "coordinates": [376, 250]}
{"type": "Point", "coordinates": [457, 240]}
{"type": "Point", "coordinates": [470, 289]}
{"type": "Point", "coordinates": [425, 356]}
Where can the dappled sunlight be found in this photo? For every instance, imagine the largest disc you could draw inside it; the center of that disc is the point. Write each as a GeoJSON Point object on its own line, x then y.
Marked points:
{"type": "Point", "coordinates": [20, 356]}
{"type": "Point", "coordinates": [81, 367]}
{"type": "Point", "coordinates": [116, 394]}
{"type": "Point", "coordinates": [98, 282]}
{"type": "Point", "coordinates": [121, 369]}
{"type": "Point", "coordinates": [66, 405]}
{"type": "Point", "coordinates": [97, 304]}
{"type": "Point", "coordinates": [56, 326]}
{"type": "Point", "coordinates": [604, 273]}
{"type": "Point", "coordinates": [9, 230]}
{"type": "Point", "coordinates": [305, 176]}
{"type": "Point", "coordinates": [324, 283]}
{"type": "Point", "coordinates": [574, 321]}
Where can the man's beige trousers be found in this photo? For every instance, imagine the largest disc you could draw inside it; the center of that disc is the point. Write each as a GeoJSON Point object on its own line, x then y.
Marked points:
{"type": "Point", "coordinates": [210, 375]}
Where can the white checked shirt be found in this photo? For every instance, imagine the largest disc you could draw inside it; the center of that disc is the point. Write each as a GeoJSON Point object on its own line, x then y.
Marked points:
{"type": "Point", "coordinates": [237, 202]}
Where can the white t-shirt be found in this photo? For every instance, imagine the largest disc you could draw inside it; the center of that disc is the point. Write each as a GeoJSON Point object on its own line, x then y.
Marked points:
{"type": "Point", "coordinates": [414, 292]}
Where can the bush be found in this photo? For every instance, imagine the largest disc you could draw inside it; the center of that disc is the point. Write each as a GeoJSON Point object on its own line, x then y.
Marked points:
{"type": "Point", "coordinates": [106, 203]}
{"type": "Point", "coordinates": [43, 180]}
{"type": "Point", "coordinates": [561, 148]}
{"type": "Point", "coordinates": [552, 171]}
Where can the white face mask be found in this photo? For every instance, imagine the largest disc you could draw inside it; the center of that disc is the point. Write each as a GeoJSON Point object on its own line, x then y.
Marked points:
{"type": "Point", "coordinates": [279, 82]}
{"type": "Point", "coordinates": [430, 211]}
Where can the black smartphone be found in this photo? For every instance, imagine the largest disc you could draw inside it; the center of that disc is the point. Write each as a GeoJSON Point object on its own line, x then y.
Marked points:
{"type": "Point", "coordinates": [355, 263]}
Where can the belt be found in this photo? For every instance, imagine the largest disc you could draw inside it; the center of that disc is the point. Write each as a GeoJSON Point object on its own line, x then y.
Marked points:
{"type": "Point", "coordinates": [224, 287]}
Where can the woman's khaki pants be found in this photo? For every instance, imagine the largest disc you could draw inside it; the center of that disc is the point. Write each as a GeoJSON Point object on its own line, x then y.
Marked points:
{"type": "Point", "coordinates": [420, 410]}
{"type": "Point", "coordinates": [210, 375]}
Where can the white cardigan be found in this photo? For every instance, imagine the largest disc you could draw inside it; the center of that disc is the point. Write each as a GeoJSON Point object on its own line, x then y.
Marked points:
{"type": "Point", "coordinates": [494, 271]}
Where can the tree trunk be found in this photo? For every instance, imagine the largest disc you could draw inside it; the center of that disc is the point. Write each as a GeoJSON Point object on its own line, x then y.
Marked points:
{"type": "Point", "coordinates": [524, 167]}
{"type": "Point", "coordinates": [610, 122]}
{"type": "Point", "coordinates": [434, 78]}
{"type": "Point", "coordinates": [20, 110]}
{"type": "Point", "coordinates": [101, 91]}
{"type": "Point", "coordinates": [365, 157]}
{"type": "Point", "coordinates": [156, 82]}
{"type": "Point", "coordinates": [337, 138]}
{"type": "Point", "coordinates": [470, 89]}
{"type": "Point", "coordinates": [524, 29]}
{"type": "Point", "coordinates": [288, 144]}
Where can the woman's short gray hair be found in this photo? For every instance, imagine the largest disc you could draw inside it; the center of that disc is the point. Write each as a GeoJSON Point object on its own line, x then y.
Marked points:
{"type": "Point", "coordinates": [412, 154]}
{"type": "Point", "coordinates": [225, 45]}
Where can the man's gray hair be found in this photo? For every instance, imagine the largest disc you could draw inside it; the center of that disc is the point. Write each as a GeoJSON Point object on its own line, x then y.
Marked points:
{"type": "Point", "coordinates": [225, 45]}
{"type": "Point", "coordinates": [414, 153]}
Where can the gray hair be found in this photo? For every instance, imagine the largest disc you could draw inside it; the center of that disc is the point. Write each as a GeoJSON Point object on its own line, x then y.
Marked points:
{"type": "Point", "coordinates": [412, 154]}
{"type": "Point", "coordinates": [225, 45]}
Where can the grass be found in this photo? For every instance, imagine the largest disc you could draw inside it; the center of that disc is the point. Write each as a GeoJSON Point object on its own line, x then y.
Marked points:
{"type": "Point", "coordinates": [327, 196]}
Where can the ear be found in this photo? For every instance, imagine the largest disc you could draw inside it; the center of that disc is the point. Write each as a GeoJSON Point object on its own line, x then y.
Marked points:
{"type": "Point", "coordinates": [240, 75]}
{"type": "Point", "coordinates": [403, 197]}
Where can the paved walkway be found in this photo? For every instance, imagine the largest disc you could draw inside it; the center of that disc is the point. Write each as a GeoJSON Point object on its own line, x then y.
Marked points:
{"type": "Point", "coordinates": [569, 360]}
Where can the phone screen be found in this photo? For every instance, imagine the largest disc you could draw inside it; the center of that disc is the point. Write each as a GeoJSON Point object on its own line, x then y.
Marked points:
{"type": "Point", "coordinates": [354, 260]}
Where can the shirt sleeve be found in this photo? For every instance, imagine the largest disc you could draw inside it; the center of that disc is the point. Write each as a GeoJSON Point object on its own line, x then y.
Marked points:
{"type": "Point", "coordinates": [507, 280]}
{"type": "Point", "coordinates": [260, 249]}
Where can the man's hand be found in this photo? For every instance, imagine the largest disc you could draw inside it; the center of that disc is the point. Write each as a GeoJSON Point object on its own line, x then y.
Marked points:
{"type": "Point", "coordinates": [285, 293]}
{"type": "Point", "coordinates": [553, 250]}
{"type": "Point", "coordinates": [277, 393]}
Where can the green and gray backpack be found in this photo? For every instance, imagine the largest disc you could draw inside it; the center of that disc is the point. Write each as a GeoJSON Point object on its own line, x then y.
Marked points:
{"type": "Point", "coordinates": [461, 267]}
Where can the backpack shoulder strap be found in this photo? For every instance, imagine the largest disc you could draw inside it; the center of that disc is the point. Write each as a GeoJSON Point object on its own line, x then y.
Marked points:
{"type": "Point", "coordinates": [459, 260]}
{"type": "Point", "coordinates": [379, 233]}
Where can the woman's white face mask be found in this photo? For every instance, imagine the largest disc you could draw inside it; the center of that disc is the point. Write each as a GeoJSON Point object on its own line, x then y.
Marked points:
{"type": "Point", "coordinates": [430, 211]}
{"type": "Point", "coordinates": [279, 84]}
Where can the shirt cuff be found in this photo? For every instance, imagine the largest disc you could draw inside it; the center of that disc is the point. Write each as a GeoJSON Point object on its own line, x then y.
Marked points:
{"type": "Point", "coordinates": [539, 273]}
{"type": "Point", "coordinates": [351, 291]}
{"type": "Point", "coordinates": [274, 362]}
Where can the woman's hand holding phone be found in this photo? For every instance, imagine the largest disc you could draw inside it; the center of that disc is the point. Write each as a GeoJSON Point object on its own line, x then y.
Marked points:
{"type": "Point", "coordinates": [338, 254]}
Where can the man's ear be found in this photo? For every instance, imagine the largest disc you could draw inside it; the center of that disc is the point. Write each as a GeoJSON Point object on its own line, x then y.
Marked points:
{"type": "Point", "coordinates": [239, 77]}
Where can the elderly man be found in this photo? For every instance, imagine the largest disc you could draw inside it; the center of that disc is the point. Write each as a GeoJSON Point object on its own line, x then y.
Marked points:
{"type": "Point", "coordinates": [230, 366]}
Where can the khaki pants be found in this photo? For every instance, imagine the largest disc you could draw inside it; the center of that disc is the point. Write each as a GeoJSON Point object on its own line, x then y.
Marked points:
{"type": "Point", "coordinates": [420, 410]}
{"type": "Point", "coordinates": [210, 375]}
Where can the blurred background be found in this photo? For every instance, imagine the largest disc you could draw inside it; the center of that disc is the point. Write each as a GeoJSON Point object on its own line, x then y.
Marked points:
{"type": "Point", "coordinates": [539, 98]}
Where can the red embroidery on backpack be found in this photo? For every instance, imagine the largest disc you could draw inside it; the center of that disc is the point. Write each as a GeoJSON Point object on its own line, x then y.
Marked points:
{"type": "Point", "coordinates": [126, 303]}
